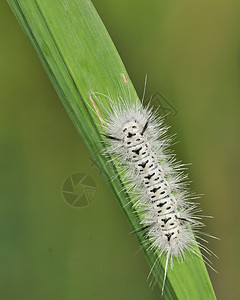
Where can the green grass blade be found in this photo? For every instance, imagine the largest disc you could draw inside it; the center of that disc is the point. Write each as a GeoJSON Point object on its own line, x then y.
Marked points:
{"type": "Point", "coordinates": [79, 57]}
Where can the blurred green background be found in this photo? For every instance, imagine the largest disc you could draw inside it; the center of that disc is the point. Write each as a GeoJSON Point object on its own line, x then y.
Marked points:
{"type": "Point", "coordinates": [50, 250]}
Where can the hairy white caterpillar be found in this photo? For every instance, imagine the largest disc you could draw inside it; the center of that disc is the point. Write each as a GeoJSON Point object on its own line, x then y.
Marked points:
{"type": "Point", "coordinates": [137, 140]}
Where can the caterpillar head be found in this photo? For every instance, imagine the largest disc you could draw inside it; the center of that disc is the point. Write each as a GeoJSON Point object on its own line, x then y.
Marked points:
{"type": "Point", "coordinates": [130, 128]}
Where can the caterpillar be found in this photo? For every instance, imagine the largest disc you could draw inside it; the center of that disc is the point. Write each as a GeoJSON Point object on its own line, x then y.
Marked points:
{"type": "Point", "coordinates": [137, 139]}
